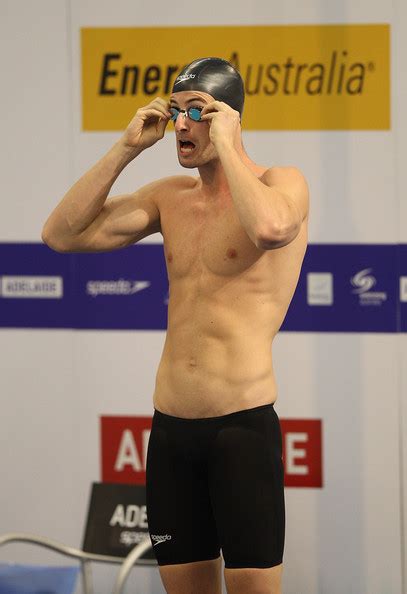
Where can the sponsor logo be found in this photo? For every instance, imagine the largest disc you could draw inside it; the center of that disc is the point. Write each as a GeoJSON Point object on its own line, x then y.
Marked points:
{"type": "Point", "coordinates": [320, 288]}
{"type": "Point", "coordinates": [403, 289]}
{"type": "Point", "coordinates": [129, 516]}
{"type": "Point", "coordinates": [31, 287]}
{"type": "Point", "coordinates": [159, 538]}
{"type": "Point", "coordinates": [363, 281]}
{"type": "Point", "coordinates": [335, 74]}
{"type": "Point", "coordinates": [183, 77]}
{"type": "Point", "coordinates": [129, 538]}
{"type": "Point", "coordinates": [297, 77]}
{"type": "Point", "coordinates": [115, 287]}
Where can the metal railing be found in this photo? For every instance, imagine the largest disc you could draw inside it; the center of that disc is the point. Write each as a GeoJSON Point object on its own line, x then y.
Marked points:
{"type": "Point", "coordinates": [85, 559]}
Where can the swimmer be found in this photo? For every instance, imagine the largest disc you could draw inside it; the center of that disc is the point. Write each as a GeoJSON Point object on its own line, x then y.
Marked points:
{"type": "Point", "coordinates": [234, 241]}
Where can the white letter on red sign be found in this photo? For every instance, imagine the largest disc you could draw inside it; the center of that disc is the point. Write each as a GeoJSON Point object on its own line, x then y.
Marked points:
{"type": "Point", "coordinates": [127, 454]}
{"type": "Point", "coordinates": [293, 453]}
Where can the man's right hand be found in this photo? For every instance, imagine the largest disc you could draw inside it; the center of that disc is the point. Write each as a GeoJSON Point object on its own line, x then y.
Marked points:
{"type": "Point", "coordinates": [148, 125]}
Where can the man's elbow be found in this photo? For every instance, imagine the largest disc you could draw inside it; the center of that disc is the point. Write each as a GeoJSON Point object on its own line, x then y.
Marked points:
{"type": "Point", "coordinates": [54, 243]}
{"type": "Point", "coordinates": [271, 239]}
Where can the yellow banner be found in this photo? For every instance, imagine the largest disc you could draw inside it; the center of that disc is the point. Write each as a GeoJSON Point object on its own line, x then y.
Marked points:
{"type": "Point", "coordinates": [299, 77]}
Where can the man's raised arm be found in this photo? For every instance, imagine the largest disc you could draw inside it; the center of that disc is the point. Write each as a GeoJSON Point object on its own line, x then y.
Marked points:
{"type": "Point", "coordinates": [85, 220]}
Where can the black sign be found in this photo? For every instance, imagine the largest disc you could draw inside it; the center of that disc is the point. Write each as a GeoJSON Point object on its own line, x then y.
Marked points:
{"type": "Point", "coordinates": [117, 521]}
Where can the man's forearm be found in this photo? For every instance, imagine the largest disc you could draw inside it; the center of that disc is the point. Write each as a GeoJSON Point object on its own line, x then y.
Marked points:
{"type": "Point", "coordinates": [85, 199]}
{"type": "Point", "coordinates": [263, 211]}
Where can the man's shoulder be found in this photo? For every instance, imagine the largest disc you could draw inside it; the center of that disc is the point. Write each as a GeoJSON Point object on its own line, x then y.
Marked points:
{"type": "Point", "coordinates": [175, 182]}
{"type": "Point", "coordinates": [279, 173]}
{"type": "Point", "coordinates": [164, 188]}
{"type": "Point", "coordinates": [290, 181]}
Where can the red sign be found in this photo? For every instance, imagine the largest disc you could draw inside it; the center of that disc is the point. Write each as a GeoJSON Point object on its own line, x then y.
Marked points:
{"type": "Point", "coordinates": [302, 452]}
{"type": "Point", "coordinates": [124, 449]}
{"type": "Point", "coordinates": [125, 440]}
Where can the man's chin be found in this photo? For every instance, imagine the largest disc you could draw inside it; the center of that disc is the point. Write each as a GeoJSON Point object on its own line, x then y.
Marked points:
{"type": "Point", "coordinates": [190, 162]}
{"type": "Point", "coordinates": [187, 163]}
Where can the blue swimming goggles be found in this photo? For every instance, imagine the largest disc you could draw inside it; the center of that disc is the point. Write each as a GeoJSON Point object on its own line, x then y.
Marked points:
{"type": "Point", "coordinates": [194, 113]}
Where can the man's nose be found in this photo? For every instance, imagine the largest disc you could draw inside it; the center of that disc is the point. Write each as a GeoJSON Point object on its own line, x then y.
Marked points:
{"type": "Point", "coordinates": [181, 123]}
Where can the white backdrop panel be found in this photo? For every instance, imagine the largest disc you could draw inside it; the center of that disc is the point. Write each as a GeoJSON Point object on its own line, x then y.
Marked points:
{"type": "Point", "coordinates": [101, 13]}
{"type": "Point", "coordinates": [36, 114]}
{"type": "Point", "coordinates": [39, 422]}
{"type": "Point", "coordinates": [403, 446]}
{"type": "Point", "coordinates": [343, 525]}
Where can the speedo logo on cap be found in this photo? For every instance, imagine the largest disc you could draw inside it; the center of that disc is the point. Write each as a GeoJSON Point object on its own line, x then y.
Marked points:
{"type": "Point", "coordinates": [183, 77]}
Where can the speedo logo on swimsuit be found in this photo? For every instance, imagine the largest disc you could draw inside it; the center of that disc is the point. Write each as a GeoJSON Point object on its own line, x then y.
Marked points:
{"type": "Point", "coordinates": [183, 77]}
{"type": "Point", "coordinates": [160, 538]}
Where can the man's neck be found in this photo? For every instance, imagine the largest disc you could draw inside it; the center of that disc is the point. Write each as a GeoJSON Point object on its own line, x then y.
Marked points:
{"type": "Point", "coordinates": [214, 183]}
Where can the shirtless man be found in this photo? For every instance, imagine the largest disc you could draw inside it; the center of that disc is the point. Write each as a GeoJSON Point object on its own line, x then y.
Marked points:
{"type": "Point", "coordinates": [234, 241]}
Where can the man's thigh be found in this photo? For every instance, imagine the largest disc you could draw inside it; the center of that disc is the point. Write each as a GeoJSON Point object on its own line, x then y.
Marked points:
{"type": "Point", "coordinates": [258, 581]}
{"type": "Point", "coordinates": [247, 490]}
{"type": "Point", "coordinates": [180, 517]}
{"type": "Point", "coordinates": [200, 577]}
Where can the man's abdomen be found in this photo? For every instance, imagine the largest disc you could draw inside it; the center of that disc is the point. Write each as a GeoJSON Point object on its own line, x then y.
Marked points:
{"type": "Point", "coordinates": [205, 376]}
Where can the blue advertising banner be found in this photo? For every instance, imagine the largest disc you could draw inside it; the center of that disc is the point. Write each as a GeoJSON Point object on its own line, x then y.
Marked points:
{"type": "Point", "coordinates": [342, 288]}
{"type": "Point", "coordinates": [403, 288]}
{"type": "Point", "coordinates": [36, 287]}
{"type": "Point", "coordinates": [346, 288]}
{"type": "Point", "coordinates": [125, 289]}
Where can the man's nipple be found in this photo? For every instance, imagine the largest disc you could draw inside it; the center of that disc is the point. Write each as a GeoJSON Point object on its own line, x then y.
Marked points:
{"type": "Point", "coordinates": [231, 253]}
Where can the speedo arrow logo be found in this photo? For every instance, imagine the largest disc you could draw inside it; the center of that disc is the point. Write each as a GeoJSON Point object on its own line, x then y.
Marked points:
{"type": "Point", "coordinates": [159, 538]}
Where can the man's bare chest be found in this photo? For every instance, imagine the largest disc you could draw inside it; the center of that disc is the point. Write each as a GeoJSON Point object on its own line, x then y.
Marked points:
{"type": "Point", "coordinates": [200, 237]}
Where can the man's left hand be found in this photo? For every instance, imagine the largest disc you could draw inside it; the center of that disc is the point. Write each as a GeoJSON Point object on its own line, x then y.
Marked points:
{"type": "Point", "coordinates": [224, 123]}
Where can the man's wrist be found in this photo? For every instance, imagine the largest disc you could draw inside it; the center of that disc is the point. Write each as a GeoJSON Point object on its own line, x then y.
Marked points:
{"type": "Point", "coordinates": [224, 147]}
{"type": "Point", "coordinates": [128, 151]}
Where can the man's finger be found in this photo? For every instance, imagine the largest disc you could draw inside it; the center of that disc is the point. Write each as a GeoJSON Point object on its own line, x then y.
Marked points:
{"type": "Point", "coordinates": [160, 105]}
{"type": "Point", "coordinates": [150, 113]}
{"type": "Point", "coordinates": [208, 116]}
{"type": "Point", "coordinates": [216, 106]}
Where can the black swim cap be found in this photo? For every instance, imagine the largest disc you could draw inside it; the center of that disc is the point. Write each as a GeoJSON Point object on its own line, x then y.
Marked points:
{"type": "Point", "coordinates": [214, 76]}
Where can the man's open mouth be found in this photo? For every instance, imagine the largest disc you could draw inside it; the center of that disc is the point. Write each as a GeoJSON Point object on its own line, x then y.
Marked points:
{"type": "Point", "coordinates": [186, 146]}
